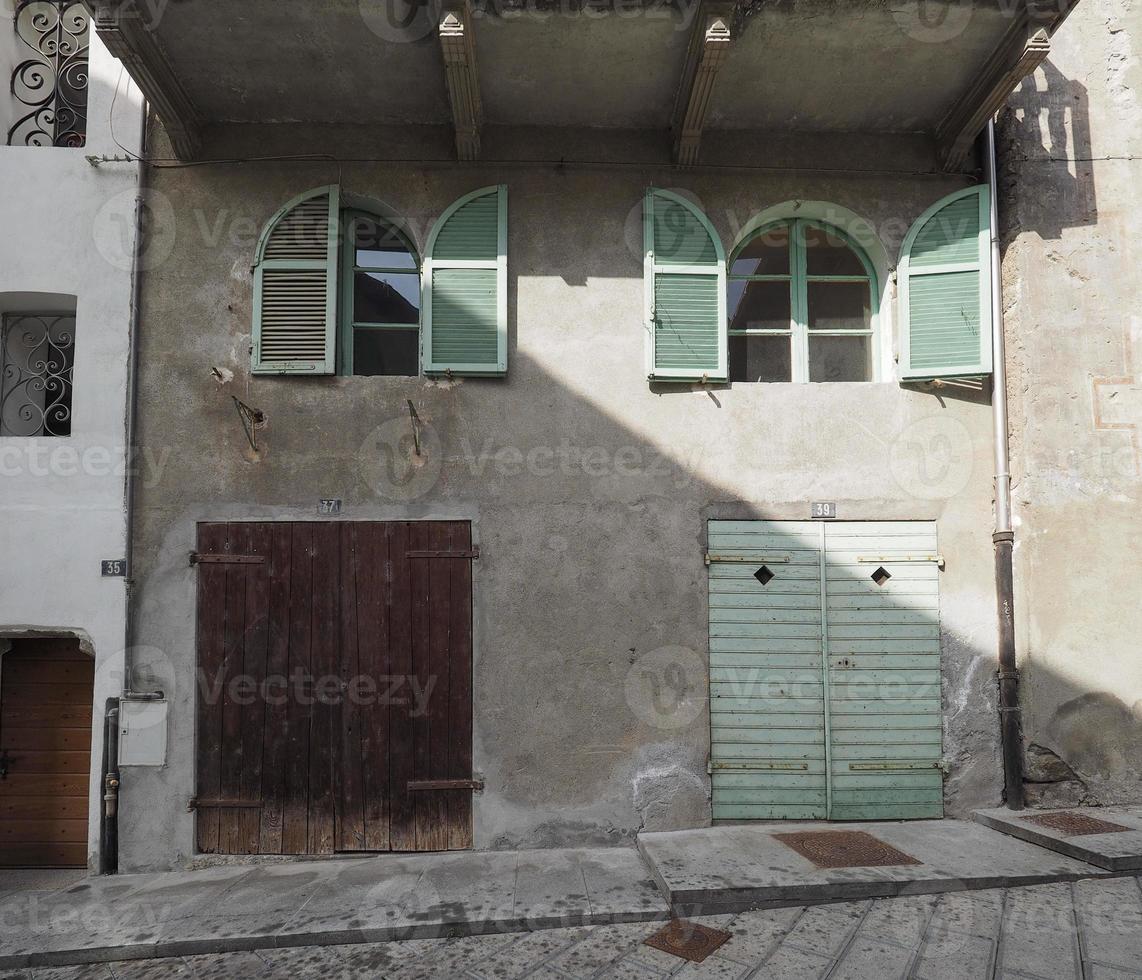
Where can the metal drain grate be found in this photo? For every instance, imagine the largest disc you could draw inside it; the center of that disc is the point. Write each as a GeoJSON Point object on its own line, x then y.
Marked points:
{"type": "Point", "coordinates": [844, 849]}
{"type": "Point", "coordinates": [1075, 824]}
{"type": "Point", "coordinates": [686, 939]}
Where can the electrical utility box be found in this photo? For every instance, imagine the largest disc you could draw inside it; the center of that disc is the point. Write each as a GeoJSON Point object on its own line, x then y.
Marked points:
{"type": "Point", "coordinates": [142, 733]}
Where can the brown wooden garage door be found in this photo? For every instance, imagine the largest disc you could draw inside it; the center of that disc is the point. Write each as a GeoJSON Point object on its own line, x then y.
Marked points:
{"type": "Point", "coordinates": [335, 675]}
{"type": "Point", "coordinates": [45, 753]}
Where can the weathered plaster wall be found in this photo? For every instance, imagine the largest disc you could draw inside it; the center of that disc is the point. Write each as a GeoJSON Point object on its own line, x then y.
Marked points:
{"type": "Point", "coordinates": [588, 488]}
{"type": "Point", "coordinates": [68, 232]}
{"type": "Point", "coordinates": [1072, 140]}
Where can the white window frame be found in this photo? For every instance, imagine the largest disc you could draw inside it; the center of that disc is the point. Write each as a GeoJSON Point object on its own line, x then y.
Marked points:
{"type": "Point", "coordinates": [799, 279]}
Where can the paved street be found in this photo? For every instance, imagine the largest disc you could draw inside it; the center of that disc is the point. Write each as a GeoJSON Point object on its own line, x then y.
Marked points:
{"type": "Point", "coordinates": [1089, 929]}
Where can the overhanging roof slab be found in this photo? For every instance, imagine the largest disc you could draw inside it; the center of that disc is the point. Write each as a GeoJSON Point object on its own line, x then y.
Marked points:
{"type": "Point", "coordinates": [868, 66]}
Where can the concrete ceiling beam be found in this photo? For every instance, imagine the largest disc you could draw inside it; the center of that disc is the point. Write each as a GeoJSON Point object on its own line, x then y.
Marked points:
{"type": "Point", "coordinates": [1024, 47]}
{"type": "Point", "coordinates": [128, 37]}
{"type": "Point", "coordinates": [711, 38]}
{"type": "Point", "coordinates": [458, 46]}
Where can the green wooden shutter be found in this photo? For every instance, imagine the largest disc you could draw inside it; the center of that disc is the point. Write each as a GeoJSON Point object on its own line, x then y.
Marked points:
{"type": "Point", "coordinates": [466, 288]}
{"type": "Point", "coordinates": [295, 287]}
{"type": "Point", "coordinates": [945, 290]}
{"type": "Point", "coordinates": [685, 270]}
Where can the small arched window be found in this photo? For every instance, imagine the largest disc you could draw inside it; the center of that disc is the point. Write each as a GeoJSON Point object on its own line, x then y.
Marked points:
{"type": "Point", "coordinates": [380, 307]}
{"type": "Point", "coordinates": [801, 306]}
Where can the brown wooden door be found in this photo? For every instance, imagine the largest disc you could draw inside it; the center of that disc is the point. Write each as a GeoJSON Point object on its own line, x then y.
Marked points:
{"type": "Point", "coordinates": [46, 690]}
{"type": "Point", "coordinates": [335, 669]}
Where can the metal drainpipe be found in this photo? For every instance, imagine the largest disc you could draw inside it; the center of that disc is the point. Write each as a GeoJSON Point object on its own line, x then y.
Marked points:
{"type": "Point", "coordinates": [109, 820]}
{"type": "Point", "coordinates": [1010, 722]}
{"type": "Point", "coordinates": [132, 407]}
{"type": "Point", "coordinates": [129, 694]}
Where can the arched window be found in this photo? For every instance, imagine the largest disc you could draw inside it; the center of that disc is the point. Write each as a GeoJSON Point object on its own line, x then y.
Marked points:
{"type": "Point", "coordinates": [380, 306]}
{"type": "Point", "coordinates": [802, 306]}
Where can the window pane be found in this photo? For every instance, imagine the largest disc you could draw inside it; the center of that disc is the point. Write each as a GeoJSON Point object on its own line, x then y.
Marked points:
{"type": "Point", "coordinates": [760, 358]}
{"type": "Point", "coordinates": [377, 244]}
{"type": "Point", "coordinates": [766, 255]}
{"type": "Point", "coordinates": [396, 257]}
{"type": "Point", "coordinates": [386, 297]}
{"type": "Point", "coordinates": [840, 358]}
{"type": "Point", "coordinates": [758, 305]}
{"type": "Point", "coordinates": [386, 352]}
{"type": "Point", "coordinates": [839, 306]}
{"type": "Point", "coordinates": [828, 255]}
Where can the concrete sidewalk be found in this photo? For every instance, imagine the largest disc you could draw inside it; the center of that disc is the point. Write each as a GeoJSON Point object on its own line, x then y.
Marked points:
{"type": "Point", "coordinates": [354, 900]}
{"type": "Point", "coordinates": [362, 900]}
{"type": "Point", "coordinates": [1110, 837]}
{"type": "Point", "coordinates": [745, 866]}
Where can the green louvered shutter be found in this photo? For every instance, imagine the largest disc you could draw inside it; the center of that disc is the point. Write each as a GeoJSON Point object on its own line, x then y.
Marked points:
{"type": "Point", "coordinates": [295, 287]}
{"type": "Point", "coordinates": [685, 270]}
{"type": "Point", "coordinates": [466, 294]}
{"type": "Point", "coordinates": [945, 290]}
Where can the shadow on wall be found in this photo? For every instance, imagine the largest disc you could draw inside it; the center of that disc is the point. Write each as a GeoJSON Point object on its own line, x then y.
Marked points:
{"type": "Point", "coordinates": [1086, 752]}
{"type": "Point", "coordinates": [1046, 144]}
{"type": "Point", "coordinates": [591, 525]}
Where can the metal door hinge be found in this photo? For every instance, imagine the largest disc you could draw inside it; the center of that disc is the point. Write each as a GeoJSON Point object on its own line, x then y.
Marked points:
{"type": "Point", "coordinates": [421, 785]}
{"type": "Point", "coordinates": [223, 558]}
{"type": "Point", "coordinates": [472, 553]}
{"type": "Point", "coordinates": [757, 767]}
{"type": "Point", "coordinates": [196, 804]}
{"type": "Point", "coordinates": [940, 764]}
{"type": "Point", "coordinates": [749, 559]}
{"type": "Point", "coordinates": [886, 559]}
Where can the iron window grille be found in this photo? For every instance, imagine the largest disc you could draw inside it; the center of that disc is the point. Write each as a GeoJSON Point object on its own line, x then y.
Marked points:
{"type": "Point", "coordinates": [52, 83]}
{"type": "Point", "coordinates": [37, 356]}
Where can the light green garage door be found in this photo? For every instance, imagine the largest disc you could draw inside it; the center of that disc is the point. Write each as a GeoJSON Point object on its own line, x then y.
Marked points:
{"type": "Point", "coordinates": [824, 670]}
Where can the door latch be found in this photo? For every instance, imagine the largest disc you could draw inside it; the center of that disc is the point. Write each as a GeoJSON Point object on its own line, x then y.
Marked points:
{"type": "Point", "coordinates": [4, 762]}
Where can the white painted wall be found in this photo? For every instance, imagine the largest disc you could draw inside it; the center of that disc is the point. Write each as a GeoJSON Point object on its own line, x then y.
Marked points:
{"type": "Point", "coordinates": [66, 227]}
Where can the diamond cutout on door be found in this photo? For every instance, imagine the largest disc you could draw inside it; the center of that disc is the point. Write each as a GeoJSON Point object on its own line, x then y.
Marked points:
{"type": "Point", "coordinates": [881, 575]}
{"type": "Point", "coordinates": [764, 575]}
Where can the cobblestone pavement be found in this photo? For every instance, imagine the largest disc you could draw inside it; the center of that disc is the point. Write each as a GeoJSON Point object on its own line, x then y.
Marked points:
{"type": "Point", "coordinates": [1090, 930]}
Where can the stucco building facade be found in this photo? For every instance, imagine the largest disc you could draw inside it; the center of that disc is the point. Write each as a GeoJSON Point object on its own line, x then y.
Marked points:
{"type": "Point", "coordinates": [607, 452]}
{"type": "Point", "coordinates": [1071, 285]}
{"type": "Point", "coordinates": [65, 300]}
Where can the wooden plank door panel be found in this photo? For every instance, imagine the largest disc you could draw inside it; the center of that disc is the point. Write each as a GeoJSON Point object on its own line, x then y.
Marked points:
{"type": "Point", "coordinates": [374, 615]}
{"type": "Point", "coordinates": [46, 689]}
{"type": "Point", "coordinates": [431, 726]}
{"type": "Point", "coordinates": [420, 679]}
{"type": "Point", "coordinates": [767, 708]}
{"type": "Point", "coordinates": [333, 673]}
{"type": "Point", "coordinates": [254, 661]}
{"type": "Point", "coordinates": [276, 732]}
{"type": "Point", "coordinates": [211, 628]}
{"type": "Point", "coordinates": [459, 765]}
{"type": "Point", "coordinates": [884, 671]}
{"type": "Point", "coordinates": [348, 774]}
{"type": "Point", "coordinates": [234, 648]}
{"type": "Point", "coordinates": [295, 796]}
{"type": "Point", "coordinates": [432, 696]}
{"type": "Point", "coordinates": [325, 717]}
{"type": "Point", "coordinates": [401, 725]}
